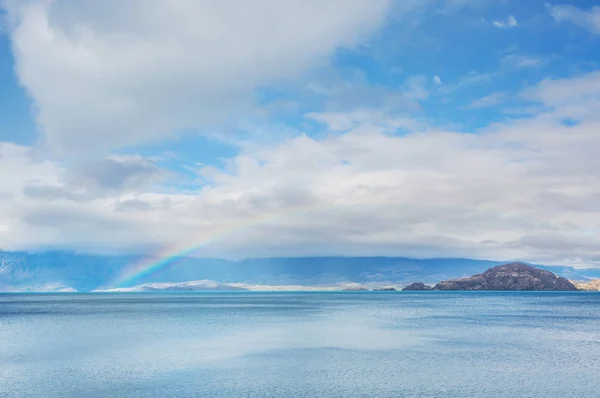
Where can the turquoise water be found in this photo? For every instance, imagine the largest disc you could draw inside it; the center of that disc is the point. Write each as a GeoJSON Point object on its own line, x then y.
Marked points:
{"type": "Point", "coordinates": [435, 344]}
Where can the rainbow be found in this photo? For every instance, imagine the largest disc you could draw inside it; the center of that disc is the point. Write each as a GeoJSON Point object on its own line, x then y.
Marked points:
{"type": "Point", "coordinates": [137, 271]}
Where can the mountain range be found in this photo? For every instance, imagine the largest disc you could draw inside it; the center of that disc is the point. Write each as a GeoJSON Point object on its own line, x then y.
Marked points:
{"type": "Point", "coordinates": [67, 271]}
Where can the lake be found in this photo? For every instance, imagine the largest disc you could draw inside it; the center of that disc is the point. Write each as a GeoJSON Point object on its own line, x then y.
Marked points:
{"type": "Point", "coordinates": [318, 344]}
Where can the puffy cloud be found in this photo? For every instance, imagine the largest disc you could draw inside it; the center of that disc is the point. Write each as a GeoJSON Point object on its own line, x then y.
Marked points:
{"type": "Point", "coordinates": [114, 73]}
{"type": "Point", "coordinates": [588, 19]}
{"type": "Point", "coordinates": [580, 90]}
{"type": "Point", "coordinates": [526, 188]}
{"type": "Point", "coordinates": [116, 172]}
{"type": "Point", "coordinates": [510, 22]}
{"type": "Point", "coordinates": [87, 180]}
{"type": "Point", "coordinates": [47, 205]}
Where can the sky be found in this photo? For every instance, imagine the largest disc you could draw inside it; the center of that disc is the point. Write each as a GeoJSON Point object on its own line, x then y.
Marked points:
{"type": "Point", "coordinates": [418, 128]}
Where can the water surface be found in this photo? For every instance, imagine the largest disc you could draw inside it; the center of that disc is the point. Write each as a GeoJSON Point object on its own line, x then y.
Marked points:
{"type": "Point", "coordinates": [431, 344]}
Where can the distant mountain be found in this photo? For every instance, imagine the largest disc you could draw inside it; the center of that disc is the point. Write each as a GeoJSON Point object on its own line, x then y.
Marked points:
{"type": "Point", "coordinates": [82, 272]}
{"type": "Point", "coordinates": [192, 286]}
{"type": "Point", "coordinates": [591, 286]}
{"type": "Point", "coordinates": [417, 286]}
{"type": "Point", "coordinates": [515, 276]}
{"type": "Point", "coordinates": [356, 289]}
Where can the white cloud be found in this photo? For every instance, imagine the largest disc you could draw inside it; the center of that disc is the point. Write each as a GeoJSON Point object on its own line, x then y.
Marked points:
{"type": "Point", "coordinates": [487, 101]}
{"type": "Point", "coordinates": [588, 19]}
{"type": "Point", "coordinates": [437, 80]}
{"type": "Point", "coordinates": [470, 79]}
{"type": "Point", "coordinates": [114, 73]}
{"type": "Point", "coordinates": [581, 92]}
{"type": "Point", "coordinates": [522, 61]}
{"type": "Point", "coordinates": [510, 22]}
{"type": "Point", "coordinates": [345, 121]}
{"type": "Point", "coordinates": [344, 94]}
{"type": "Point", "coordinates": [416, 89]}
{"type": "Point", "coordinates": [55, 287]}
{"type": "Point", "coordinates": [526, 189]}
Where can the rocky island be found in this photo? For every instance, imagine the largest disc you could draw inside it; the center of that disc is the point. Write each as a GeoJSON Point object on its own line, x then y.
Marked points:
{"type": "Point", "coordinates": [417, 286]}
{"type": "Point", "coordinates": [514, 276]}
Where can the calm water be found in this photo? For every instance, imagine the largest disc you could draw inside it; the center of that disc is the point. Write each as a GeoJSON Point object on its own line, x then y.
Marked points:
{"type": "Point", "coordinates": [438, 344]}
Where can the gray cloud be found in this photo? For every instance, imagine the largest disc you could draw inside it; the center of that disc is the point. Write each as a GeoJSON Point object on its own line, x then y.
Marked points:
{"type": "Point", "coordinates": [133, 205]}
{"type": "Point", "coordinates": [116, 173]}
{"type": "Point", "coordinates": [53, 192]}
{"type": "Point", "coordinates": [99, 178]}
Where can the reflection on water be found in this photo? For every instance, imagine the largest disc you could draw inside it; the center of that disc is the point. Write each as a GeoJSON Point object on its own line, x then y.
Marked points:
{"type": "Point", "coordinates": [301, 345]}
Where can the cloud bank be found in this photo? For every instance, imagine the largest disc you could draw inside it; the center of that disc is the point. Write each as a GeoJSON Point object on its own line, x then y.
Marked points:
{"type": "Point", "coordinates": [526, 188]}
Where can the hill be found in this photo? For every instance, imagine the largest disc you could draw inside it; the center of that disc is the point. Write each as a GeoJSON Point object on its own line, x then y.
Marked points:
{"type": "Point", "coordinates": [514, 276]}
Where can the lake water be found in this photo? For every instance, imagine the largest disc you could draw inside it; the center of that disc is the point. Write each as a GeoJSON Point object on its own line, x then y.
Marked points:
{"type": "Point", "coordinates": [433, 344]}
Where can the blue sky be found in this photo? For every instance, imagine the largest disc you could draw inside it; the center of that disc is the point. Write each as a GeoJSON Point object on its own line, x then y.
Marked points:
{"type": "Point", "coordinates": [172, 124]}
{"type": "Point", "coordinates": [17, 122]}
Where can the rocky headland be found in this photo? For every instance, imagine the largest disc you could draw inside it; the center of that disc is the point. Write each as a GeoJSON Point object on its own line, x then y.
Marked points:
{"type": "Point", "coordinates": [514, 276]}
{"type": "Point", "coordinates": [417, 286]}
